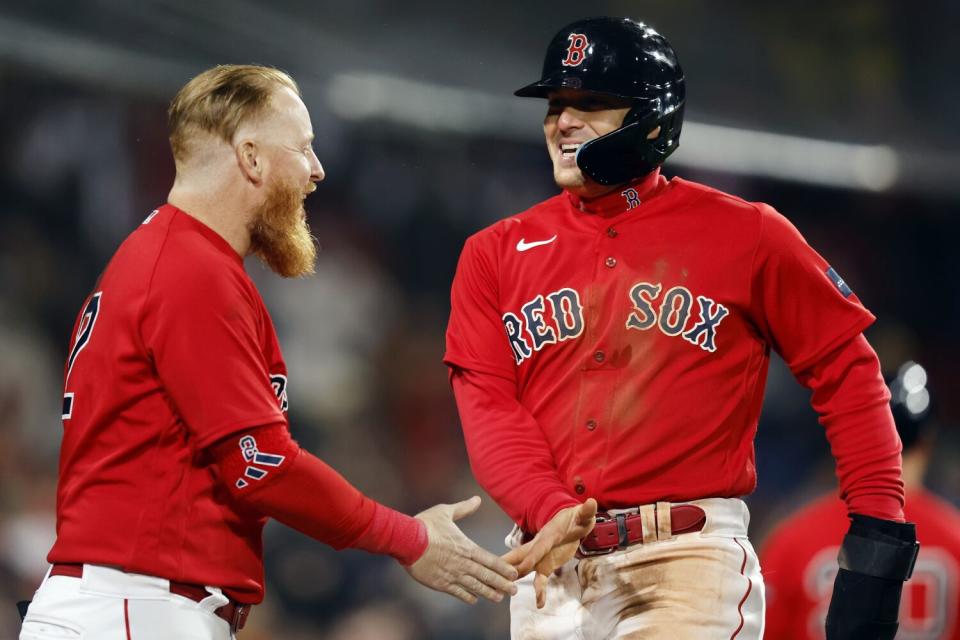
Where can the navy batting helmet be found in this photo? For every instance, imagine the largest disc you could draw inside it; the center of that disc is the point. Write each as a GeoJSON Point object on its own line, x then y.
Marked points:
{"type": "Point", "coordinates": [627, 59]}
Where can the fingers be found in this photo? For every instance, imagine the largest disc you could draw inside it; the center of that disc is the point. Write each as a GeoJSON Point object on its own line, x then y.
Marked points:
{"type": "Point", "coordinates": [540, 589]}
{"type": "Point", "coordinates": [515, 556]}
{"type": "Point", "coordinates": [586, 513]}
{"type": "Point", "coordinates": [477, 588]}
{"type": "Point", "coordinates": [532, 553]}
{"type": "Point", "coordinates": [462, 594]}
{"type": "Point", "coordinates": [465, 508]}
{"type": "Point", "coordinates": [494, 563]}
{"type": "Point", "coordinates": [490, 579]}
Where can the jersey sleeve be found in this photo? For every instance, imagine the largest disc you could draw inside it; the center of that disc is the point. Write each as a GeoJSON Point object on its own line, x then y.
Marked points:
{"type": "Point", "coordinates": [800, 305]}
{"type": "Point", "coordinates": [476, 338]}
{"type": "Point", "coordinates": [854, 408]}
{"type": "Point", "coordinates": [201, 327]}
{"type": "Point", "coordinates": [508, 453]}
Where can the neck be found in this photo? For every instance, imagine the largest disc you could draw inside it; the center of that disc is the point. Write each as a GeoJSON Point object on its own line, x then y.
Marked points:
{"type": "Point", "coordinates": [218, 207]}
{"type": "Point", "coordinates": [622, 197]}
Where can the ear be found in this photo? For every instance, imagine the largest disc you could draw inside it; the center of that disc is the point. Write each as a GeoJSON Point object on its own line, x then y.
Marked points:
{"type": "Point", "coordinates": [249, 160]}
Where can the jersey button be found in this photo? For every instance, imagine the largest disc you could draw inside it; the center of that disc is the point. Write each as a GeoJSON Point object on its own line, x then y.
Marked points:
{"type": "Point", "coordinates": [578, 486]}
{"type": "Point", "coordinates": [611, 262]}
{"type": "Point", "coordinates": [599, 356]}
{"type": "Point", "coordinates": [611, 232]}
{"type": "Point", "coordinates": [591, 425]}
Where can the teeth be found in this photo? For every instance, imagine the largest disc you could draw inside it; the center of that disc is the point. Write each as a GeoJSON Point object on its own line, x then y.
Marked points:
{"type": "Point", "coordinates": [569, 149]}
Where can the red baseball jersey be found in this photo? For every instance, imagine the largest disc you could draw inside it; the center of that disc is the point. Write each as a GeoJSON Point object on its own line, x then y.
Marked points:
{"type": "Point", "coordinates": [799, 563]}
{"type": "Point", "coordinates": [173, 351]}
{"type": "Point", "coordinates": [637, 328]}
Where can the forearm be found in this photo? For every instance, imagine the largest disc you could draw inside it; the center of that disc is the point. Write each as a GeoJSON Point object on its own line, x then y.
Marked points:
{"type": "Point", "coordinates": [306, 494]}
{"type": "Point", "coordinates": [509, 454]}
{"type": "Point", "coordinates": [853, 403]}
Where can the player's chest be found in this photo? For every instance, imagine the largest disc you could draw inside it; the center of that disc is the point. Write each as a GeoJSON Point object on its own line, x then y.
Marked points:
{"type": "Point", "coordinates": [683, 289]}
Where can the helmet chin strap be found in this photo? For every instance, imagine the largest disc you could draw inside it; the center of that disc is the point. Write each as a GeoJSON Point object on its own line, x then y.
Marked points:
{"type": "Point", "coordinates": [627, 153]}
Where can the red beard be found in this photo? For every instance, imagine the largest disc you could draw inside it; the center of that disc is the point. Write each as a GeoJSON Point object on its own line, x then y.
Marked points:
{"type": "Point", "coordinates": [279, 234]}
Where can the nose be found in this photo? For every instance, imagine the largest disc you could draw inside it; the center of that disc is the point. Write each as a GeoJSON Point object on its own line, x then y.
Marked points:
{"type": "Point", "coordinates": [569, 120]}
{"type": "Point", "coordinates": [316, 169]}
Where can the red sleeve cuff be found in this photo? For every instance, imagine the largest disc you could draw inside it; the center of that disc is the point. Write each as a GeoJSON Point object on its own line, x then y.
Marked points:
{"type": "Point", "coordinates": [396, 534]}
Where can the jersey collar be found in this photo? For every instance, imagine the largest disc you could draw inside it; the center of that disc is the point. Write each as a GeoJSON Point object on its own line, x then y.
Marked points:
{"type": "Point", "coordinates": [215, 238]}
{"type": "Point", "coordinates": [623, 198]}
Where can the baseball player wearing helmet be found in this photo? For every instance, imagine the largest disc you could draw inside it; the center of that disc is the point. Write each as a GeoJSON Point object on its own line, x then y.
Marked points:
{"type": "Point", "coordinates": [799, 557]}
{"type": "Point", "coordinates": [608, 351]}
{"type": "Point", "coordinates": [176, 448]}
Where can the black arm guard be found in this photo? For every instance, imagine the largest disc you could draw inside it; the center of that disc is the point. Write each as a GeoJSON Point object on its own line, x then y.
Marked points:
{"type": "Point", "coordinates": [876, 558]}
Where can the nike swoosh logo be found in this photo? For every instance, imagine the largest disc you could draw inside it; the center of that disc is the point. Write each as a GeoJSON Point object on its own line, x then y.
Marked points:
{"type": "Point", "coordinates": [523, 245]}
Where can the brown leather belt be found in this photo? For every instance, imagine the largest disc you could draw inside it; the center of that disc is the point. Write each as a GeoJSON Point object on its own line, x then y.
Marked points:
{"type": "Point", "coordinates": [622, 530]}
{"type": "Point", "coordinates": [235, 613]}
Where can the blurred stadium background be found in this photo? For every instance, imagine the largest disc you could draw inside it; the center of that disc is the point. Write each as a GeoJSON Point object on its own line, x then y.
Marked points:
{"type": "Point", "coordinates": [842, 115]}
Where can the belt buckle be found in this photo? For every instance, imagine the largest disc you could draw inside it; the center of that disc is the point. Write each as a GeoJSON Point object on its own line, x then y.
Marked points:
{"type": "Point", "coordinates": [240, 613]}
{"type": "Point", "coordinates": [583, 552]}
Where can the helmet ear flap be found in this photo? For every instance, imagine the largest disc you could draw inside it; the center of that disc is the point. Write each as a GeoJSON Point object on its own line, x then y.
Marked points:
{"type": "Point", "coordinates": [627, 153]}
{"type": "Point", "coordinates": [612, 158]}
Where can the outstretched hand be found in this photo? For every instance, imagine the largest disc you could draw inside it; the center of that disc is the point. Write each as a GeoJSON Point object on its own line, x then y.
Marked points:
{"type": "Point", "coordinates": [454, 564]}
{"type": "Point", "coordinates": [554, 545]}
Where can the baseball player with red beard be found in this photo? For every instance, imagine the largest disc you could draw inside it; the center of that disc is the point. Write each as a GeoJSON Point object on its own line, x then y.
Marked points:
{"type": "Point", "coordinates": [176, 448]}
{"type": "Point", "coordinates": [608, 349]}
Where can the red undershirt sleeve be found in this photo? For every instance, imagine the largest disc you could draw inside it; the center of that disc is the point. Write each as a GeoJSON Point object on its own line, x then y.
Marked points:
{"type": "Point", "coordinates": [508, 453]}
{"type": "Point", "coordinates": [266, 470]}
{"type": "Point", "coordinates": [854, 407]}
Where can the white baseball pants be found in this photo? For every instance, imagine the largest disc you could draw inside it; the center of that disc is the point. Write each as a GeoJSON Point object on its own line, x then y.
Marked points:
{"type": "Point", "coordinates": [107, 603]}
{"type": "Point", "coordinates": [703, 585]}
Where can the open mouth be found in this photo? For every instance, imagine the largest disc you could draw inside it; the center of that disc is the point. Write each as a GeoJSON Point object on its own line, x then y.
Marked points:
{"type": "Point", "coordinates": [569, 150]}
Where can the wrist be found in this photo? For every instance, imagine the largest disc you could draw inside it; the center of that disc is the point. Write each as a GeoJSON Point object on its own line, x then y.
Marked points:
{"type": "Point", "coordinates": [547, 507]}
{"type": "Point", "coordinates": [396, 534]}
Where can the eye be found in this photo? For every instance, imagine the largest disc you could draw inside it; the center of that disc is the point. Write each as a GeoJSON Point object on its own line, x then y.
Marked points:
{"type": "Point", "coordinates": [554, 108]}
{"type": "Point", "coordinates": [594, 105]}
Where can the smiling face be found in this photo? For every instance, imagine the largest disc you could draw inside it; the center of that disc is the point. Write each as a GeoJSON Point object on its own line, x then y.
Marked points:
{"type": "Point", "coordinates": [575, 117]}
{"type": "Point", "coordinates": [279, 233]}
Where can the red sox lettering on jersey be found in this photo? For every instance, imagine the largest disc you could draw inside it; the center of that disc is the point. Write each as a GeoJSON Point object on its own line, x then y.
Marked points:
{"type": "Point", "coordinates": [532, 329]}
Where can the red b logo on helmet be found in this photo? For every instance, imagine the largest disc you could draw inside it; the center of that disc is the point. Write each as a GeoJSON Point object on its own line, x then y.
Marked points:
{"type": "Point", "coordinates": [575, 52]}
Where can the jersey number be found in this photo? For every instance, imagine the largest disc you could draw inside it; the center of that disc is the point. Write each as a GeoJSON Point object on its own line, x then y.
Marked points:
{"type": "Point", "coordinates": [87, 321]}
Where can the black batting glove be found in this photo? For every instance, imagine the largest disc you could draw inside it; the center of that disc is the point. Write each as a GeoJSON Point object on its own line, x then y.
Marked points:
{"type": "Point", "coordinates": [876, 558]}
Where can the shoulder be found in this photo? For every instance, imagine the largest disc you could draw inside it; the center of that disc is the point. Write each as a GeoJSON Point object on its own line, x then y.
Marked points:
{"type": "Point", "coordinates": [715, 201]}
{"type": "Point", "coordinates": [756, 220]}
{"type": "Point", "coordinates": [194, 265]}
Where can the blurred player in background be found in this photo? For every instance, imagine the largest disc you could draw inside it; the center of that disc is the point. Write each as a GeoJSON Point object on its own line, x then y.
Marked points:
{"type": "Point", "coordinates": [799, 557]}
{"type": "Point", "coordinates": [609, 348]}
{"type": "Point", "coordinates": [176, 448]}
